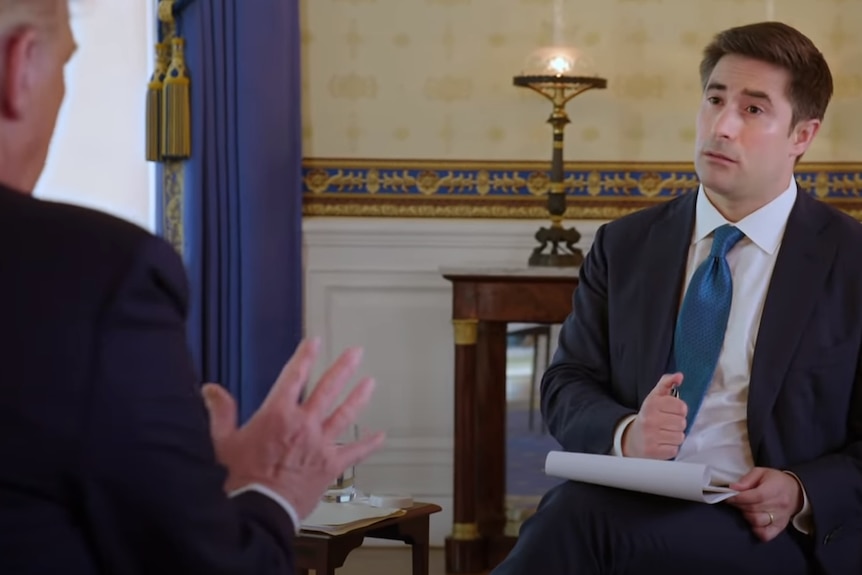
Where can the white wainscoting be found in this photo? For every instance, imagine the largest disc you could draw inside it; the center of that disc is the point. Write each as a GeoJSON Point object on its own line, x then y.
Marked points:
{"type": "Point", "coordinates": [376, 283]}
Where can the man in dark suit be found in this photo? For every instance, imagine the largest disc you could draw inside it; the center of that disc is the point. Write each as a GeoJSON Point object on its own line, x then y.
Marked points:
{"type": "Point", "coordinates": [723, 327]}
{"type": "Point", "coordinates": [108, 460]}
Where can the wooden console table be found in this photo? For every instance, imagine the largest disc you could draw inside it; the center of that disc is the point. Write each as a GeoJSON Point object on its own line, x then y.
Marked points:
{"type": "Point", "coordinates": [483, 302]}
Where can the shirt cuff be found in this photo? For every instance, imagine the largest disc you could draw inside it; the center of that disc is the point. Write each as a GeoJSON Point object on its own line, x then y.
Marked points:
{"type": "Point", "coordinates": [282, 502]}
{"type": "Point", "coordinates": [803, 521]}
{"type": "Point", "coordinates": [618, 435]}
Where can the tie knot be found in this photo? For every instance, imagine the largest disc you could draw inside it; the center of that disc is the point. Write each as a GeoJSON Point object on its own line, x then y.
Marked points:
{"type": "Point", "coordinates": [723, 239]}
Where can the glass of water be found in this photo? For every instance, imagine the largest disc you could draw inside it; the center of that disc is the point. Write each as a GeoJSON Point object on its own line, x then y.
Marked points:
{"type": "Point", "coordinates": [343, 489]}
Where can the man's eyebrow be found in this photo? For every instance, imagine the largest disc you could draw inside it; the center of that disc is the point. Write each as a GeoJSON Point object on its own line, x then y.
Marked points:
{"type": "Point", "coordinates": [757, 94]}
{"type": "Point", "coordinates": [760, 95]}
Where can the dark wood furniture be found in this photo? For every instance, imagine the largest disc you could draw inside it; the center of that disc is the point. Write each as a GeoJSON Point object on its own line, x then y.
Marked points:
{"type": "Point", "coordinates": [483, 302]}
{"type": "Point", "coordinates": [325, 553]}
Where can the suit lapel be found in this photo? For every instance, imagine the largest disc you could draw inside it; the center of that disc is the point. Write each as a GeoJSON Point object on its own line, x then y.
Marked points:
{"type": "Point", "coordinates": [663, 271]}
{"type": "Point", "coordinates": [801, 268]}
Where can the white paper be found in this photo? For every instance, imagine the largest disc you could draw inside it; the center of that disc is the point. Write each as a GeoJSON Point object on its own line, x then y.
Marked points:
{"type": "Point", "coordinates": [678, 479]}
{"type": "Point", "coordinates": [330, 514]}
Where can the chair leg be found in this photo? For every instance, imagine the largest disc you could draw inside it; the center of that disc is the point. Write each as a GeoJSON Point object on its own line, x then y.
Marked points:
{"type": "Point", "coordinates": [547, 337]}
{"type": "Point", "coordinates": [533, 374]}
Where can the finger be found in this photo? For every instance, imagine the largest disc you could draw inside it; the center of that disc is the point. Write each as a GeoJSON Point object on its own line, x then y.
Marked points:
{"type": "Point", "coordinates": [751, 517]}
{"type": "Point", "coordinates": [346, 413]}
{"type": "Point", "coordinates": [673, 423]}
{"type": "Point", "coordinates": [665, 452]}
{"type": "Point", "coordinates": [672, 438]}
{"type": "Point", "coordinates": [762, 528]}
{"type": "Point", "coordinates": [294, 375]}
{"type": "Point", "coordinates": [333, 382]}
{"type": "Point", "coordinates": [662, 422]}
{"type": "Point", "coordinates": [667, 404]}
{"type": "Point", "coordinates": [759, 518]}
{"type": "Point", "coordinates": [766, 533]}
{"type": "Point", "coordinates": [750, 480]}
{"type": "Point", "coordinates": [352, 453]}
{"type": "Point", "coordinates": [760, 525]}
{"type": "Point", "coordinates": [750, 499]}
{"type": "Point", "coordinates": [222, 410]}
{"type": "Point", "coordinates": [758, 499]}
{"type": "Point", "coordinates": [765, 518]}
{"type": "Point", "coordinates": [666, 384]}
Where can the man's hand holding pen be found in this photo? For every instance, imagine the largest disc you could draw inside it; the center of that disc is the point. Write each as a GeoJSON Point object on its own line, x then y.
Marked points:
{"type": "Point", "coordinates": [659, 428]}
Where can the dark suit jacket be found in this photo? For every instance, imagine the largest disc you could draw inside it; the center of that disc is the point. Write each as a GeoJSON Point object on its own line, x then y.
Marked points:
{"type": "Point", "coordinates": [106, 463]}
{"type": "Point", "coordinates": [805, 394]}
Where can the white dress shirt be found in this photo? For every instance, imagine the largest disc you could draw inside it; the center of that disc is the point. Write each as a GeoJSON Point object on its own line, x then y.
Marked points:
{"type": "Point", "coordinates": [719, 434]}
{"type": "Point", "coordinates": [282, 502]}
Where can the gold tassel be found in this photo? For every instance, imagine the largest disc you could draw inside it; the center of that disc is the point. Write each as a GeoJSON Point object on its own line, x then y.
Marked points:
{"type": "Point", "coordinates": [176, 106]}
{"type": "Point", "coordinates": [154, 104]}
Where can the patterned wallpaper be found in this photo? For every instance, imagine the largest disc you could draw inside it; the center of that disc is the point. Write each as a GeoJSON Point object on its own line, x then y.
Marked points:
{"type": "Point", "coordinates": [432, 79]}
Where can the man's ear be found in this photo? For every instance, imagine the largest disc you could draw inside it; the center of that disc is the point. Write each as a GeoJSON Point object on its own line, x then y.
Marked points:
{"type": "Point", "coordinates": [17, 84]}
{"type": "Point", "coordinates": [802, 136]}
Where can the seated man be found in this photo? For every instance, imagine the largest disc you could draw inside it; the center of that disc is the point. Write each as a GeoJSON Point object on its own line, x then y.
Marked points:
{"type": "Point", "coordinates": [111, 462]}
{"type": "Point", "coordinates": [721, 327]}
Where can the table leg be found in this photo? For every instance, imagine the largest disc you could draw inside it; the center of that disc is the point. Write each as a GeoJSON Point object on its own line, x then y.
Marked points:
{"type": "Point", "coordinates": [491, 435]}
{"type": "Point", "coordinates": [420, 558]}
{"type": "Point", "coordinates": [465, 547]}
{"type": "Point", "coordinates": [414, 532]}
{"type": "Point", "coordinates": [325, 567]}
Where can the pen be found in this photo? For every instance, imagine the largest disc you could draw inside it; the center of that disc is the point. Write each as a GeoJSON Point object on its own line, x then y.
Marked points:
{"type": "Point", "coordinates": [674, 391]}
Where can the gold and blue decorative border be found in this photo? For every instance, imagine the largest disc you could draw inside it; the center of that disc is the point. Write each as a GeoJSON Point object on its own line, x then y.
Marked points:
{"type": "Point", "coordinates": [503, 189]}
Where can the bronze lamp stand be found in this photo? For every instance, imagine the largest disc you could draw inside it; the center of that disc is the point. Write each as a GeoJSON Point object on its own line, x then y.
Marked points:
{"type": "Point", "coordinates": [556, 243]}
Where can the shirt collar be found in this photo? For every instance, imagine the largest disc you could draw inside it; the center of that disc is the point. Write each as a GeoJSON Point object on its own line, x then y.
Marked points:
{"type": "Point", "coordinates": [764, 227]}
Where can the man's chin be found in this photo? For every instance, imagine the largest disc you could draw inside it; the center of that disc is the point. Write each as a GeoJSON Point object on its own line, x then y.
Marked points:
{"type": "Point", "coordinates": [715, 180]}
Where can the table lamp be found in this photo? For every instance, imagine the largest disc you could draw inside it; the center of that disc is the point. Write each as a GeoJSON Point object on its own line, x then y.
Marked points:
{"type": "Point", "coordinates": [559, 74]}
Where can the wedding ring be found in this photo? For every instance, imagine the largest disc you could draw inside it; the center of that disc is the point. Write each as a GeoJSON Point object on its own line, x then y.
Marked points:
{"type": "Point", "coordinates": [771, 519]}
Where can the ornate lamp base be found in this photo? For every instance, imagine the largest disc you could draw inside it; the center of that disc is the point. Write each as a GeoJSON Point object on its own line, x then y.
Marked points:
{"type": "Point", "coordinates": [562, 251]}
{"type": "Point", "coordinates": [559, 88]}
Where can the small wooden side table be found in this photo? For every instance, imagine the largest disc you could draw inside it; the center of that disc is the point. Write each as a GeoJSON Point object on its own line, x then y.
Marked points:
{"type": "Point", "coordinates": [325, 553]}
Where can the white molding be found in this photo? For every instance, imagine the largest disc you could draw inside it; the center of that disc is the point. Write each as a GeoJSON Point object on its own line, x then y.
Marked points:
{"type": "Point", "coordinates": [378, 280]}
{"type": "Point", "coordinates": [399, 234]}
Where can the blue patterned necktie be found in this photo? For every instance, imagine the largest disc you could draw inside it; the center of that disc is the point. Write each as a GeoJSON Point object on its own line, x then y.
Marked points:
{"type": "Point", "coordinates": [702, 320]}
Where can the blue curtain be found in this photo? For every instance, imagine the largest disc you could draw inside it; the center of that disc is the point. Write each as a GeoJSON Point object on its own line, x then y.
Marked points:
{"type": "Point", "coordinates": [241, 201]}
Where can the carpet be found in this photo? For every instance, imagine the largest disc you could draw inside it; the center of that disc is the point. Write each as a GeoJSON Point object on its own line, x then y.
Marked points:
{"type": "Point", "coordinates": [525, 456]}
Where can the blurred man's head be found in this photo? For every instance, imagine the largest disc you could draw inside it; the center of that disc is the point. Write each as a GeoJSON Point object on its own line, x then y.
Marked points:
{"type": "Point", "coordinates": [35, 44]}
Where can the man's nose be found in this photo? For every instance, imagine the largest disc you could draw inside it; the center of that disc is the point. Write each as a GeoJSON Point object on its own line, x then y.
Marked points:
{"type": "Point", "coordinates": [726, 124]}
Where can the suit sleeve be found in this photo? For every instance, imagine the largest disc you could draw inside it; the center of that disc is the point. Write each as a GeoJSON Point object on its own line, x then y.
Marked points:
{"type": "Point", "coordinates": [577, 402]}
{"type": "Point", "coordinates": [833, 483]}
{"type": "Point", "coordinates": [152, 492]}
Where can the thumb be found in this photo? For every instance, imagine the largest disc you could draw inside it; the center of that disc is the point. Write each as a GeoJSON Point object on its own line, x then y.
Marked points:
{"type": "Point", "coordinates": [222, 410]}
{"type": "Point", "coordinates": [667, 382]}
{"type": "Point", "coordinates": [748, 481]}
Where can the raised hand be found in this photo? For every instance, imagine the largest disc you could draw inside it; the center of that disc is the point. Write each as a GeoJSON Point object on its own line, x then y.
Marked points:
{"type": "Point", "coordinates": [287, 446]}
{"type": "Point", "coordinates": [659, 428]}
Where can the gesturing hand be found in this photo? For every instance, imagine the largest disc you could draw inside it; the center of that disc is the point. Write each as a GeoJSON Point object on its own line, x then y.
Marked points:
{"type": "Point", "coordinates": [659, 428]}
{"type": "Point", "coordinates": [288, 446]}
{"type": "Point", "coordinates": [768, 499]}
